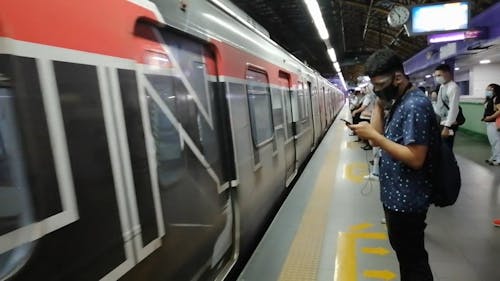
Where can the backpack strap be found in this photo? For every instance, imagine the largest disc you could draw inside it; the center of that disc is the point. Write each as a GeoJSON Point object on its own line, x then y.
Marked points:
{"type": "Point", "coordinates": [444, 103]}
{"type": "Point", "coordinates": [397, 102]}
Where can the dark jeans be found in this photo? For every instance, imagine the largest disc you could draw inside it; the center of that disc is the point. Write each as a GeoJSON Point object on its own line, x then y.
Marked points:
{"type": "Point", "coordinates": [406, 235]}
{"type": "Point", "coordinates": [450, 139]}
{"type": "Point", "coordinates": [356, 118]}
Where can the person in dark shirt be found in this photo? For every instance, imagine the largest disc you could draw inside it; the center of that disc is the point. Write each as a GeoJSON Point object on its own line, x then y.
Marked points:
{"type": "Point", "coordinates": [405, 137]}
{"type": "Point", "coordinates": [491, 113]}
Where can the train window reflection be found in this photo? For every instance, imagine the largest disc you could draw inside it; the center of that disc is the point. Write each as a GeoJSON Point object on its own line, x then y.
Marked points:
{"type": "Point", "coordinates": [167, 142]}
{"type": "Point", "coordinates": [15, 210]}
{"type": "Point", "coordinates": [190, 58]}
{"type": "Point", "coordinates": [259, 102]}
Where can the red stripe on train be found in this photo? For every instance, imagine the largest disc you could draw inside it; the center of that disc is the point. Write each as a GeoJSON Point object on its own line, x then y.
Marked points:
{"type": "Point", "coordinates": [107, 27]}
{"type": "Point", "coordinates": [234, 62]}
{"type": "Point", "coordinates": [96, 26]}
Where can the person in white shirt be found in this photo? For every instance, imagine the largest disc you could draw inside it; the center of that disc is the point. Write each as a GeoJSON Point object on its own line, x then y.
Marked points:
{"type": "Point", "coordinates": [365, 110]}
{"type": "Point", "coordinates": [447, 103]}
{"type": "Point", "coordinates": [368, 102]}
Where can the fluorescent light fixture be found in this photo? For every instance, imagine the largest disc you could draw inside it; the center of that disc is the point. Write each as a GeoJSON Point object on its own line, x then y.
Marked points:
{"type": "Point", "coordinates": [428, 76]}
{"type": "Point", "coordinates": [315, 12]}
{"type": "Point", "coordinates": [484, 61]}
{"type": "Point", "coordinates": [455, 36]}
{"type": "Point", "coordinates": [331, 53]}
{"type": "Point", "coordinates": [337, 66]}
{"type": "Point", "coordinates": [448, 37]}
{"type": "Point", "coordinates": [457, 68]}
{"type": "Point", "coordinates": [342, 80]}
{"type": "Point", "coordinates": [233, 29]}
{"type": "Point", "coordinates": [240, 19]}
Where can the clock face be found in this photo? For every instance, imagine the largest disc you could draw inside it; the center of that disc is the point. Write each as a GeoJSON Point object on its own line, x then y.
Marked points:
{"type": "Point", "coordinates": [398, 16]}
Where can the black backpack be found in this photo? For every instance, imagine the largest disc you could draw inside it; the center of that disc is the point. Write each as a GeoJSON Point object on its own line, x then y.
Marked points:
{"type": "Point", "coordinates": [446, 176]}
{"type": "Point", "coordinates": [446, 179]}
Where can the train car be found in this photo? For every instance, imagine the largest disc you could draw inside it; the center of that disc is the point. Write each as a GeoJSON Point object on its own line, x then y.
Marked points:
{"type": "Point", "coordinates": [145, 140]}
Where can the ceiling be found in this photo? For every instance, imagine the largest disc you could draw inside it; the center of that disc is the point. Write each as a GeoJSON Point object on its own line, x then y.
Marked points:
{"type": "Point", "coordinates": [290, 25]}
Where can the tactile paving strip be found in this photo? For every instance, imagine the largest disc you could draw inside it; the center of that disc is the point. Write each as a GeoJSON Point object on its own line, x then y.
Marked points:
{"type": "Point", "coordinates": [304, 256]}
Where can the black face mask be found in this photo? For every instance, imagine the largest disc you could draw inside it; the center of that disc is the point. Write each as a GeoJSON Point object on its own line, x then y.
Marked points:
{"type": "Point", "coordinates": [388, 93]}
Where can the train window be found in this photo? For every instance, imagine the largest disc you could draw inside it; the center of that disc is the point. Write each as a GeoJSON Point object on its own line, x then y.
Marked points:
{"type": "Point", "coordinates": [288, 110]}
{"type": "Point", "coordinates": [277, 114]}
{"type": "Point", "coordinates": [300, 102]}
{"type": "Point", "coordinates": [19, 120]}
{"type": "Point", "coordinates": [190, 58]}
{"type": "Point", "coordinates": [138, 154]}
{"type": "Point", "coordinates": [277, 107]}
{"type": "Point", "coordinates": [166, 136]}
{"type": "Point", "coordinates": [5, 178]}
{"type": "Point", "coordinates": [259, 102]}
{"type": "Point", "coordinates": [302, 106]}
{"type": "Point", "coordinates": [15, 208]}
{"type": "Point", "coordinates": [11, 166]}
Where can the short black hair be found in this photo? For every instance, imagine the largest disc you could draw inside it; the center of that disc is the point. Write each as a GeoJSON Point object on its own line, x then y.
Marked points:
{"type": "Point", "coordinates": [443, 67]}
{"type": "Point", "coordinates": [383, 61]}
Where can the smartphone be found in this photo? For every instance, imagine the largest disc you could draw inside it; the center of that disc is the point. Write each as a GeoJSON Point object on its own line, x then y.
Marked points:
{"type": "Point", "coordinates": [346, 122]}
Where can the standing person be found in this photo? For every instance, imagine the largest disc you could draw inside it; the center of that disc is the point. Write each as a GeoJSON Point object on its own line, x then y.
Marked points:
{"type": "Point", "coordinates": [447, 103]}
{"type": "Point", "coordinates": [491, 113]}
{"type": "Point", "coordinates": [357, 101]}
{"type": "Point", "coordinates": [433, 96]}
{"type": "Point", "coordinates": [365, 111]}
{"type": "Point", "coordinates": [405, 138]}
{"type": "Point", "coordinates": [356, 112]}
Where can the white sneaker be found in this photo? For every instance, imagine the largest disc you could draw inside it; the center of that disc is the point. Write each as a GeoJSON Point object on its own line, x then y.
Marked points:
{"type": "Point", "coordinates": [371, 177]}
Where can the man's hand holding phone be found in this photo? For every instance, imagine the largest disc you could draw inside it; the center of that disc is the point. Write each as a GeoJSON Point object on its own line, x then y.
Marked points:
{"type": "Point", "coordinates": [365, 131]}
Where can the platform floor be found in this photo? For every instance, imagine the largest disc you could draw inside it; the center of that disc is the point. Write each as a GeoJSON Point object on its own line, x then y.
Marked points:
{"type": "Point", "coordinates": [329, 227]}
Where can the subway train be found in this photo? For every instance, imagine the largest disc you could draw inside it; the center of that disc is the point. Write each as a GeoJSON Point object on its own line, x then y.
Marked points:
{"type": "Point", "coordinates": [145, 140]}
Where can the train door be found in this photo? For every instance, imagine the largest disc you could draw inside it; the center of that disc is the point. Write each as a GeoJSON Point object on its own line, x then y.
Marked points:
{"type": "Point", "coordinates": [317, 110]}
{"type": "Point", "coordinates": [311, 109]}
{"type": "Point", "coordinates": [178, 102]}
{"type": "Point", "coordinates": [290, 151]}
{"type": "Point", "coordinates": [323, 108]}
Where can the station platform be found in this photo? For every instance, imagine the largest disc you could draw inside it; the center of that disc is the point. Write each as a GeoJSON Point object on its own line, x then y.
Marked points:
{"type": "Point", "coordinates": [329, 227]}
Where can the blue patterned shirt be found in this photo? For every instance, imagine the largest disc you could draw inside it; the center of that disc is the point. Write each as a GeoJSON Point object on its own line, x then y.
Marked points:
{"type": "Point", "coordinates": [404, 189]}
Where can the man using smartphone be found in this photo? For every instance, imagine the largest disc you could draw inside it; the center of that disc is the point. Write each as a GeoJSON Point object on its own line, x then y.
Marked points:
{"type": "Point", "coordinates": [405, 138]}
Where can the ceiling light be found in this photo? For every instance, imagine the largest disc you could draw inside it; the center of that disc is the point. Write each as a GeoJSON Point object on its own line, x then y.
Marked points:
{"type": "Point", "coordinates": [457, 68]}
{"type": "Point", "coordinates": [315, 12]}
{"type": "Point", "coordinates": [342, 80]}
{"type": "Point", "coordinates": [331, 53]}
{"type": "Point", "coordinates": [428, 76]}
{"type": "Point", "coordinates": [337, 66]}
{"type": "Point", "coordinates": [484, 61]}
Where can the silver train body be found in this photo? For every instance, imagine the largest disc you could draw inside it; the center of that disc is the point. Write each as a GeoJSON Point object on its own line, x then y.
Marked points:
{"type": "Point", "coordinates": [146, 140]}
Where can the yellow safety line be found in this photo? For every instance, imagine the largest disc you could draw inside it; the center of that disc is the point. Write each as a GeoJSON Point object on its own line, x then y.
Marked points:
{"type": "Point", "coordinates": [379, 274]}
{"type": "Point", "coordinates": [356, 171]}
{"type": "Point", "coordinates": [381, 251]}
{"type": "Point", "coordinates": [345, 262]}
{"type": "Point", "coordinates": [304, 255]}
